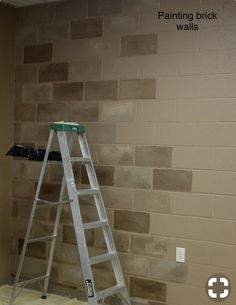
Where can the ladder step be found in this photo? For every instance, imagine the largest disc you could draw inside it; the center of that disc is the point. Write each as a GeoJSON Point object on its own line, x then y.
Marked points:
{"type": "Point", "coordinates": [24, 283]}
{"type": "Point", "coordinates": [109, 291]}
{"type": "Point", "coordinates": [95, 224]}
{"type": "Point", "coordinates": [80, 160]}
{"type": "Point", "coordinates": [46, 203]}
{"type": "Point", "coordinates": [102, 258]}
{"type": "Point", "coordinates": [34, 240]}
{"type": "Point", "coordinates": [87, 192]}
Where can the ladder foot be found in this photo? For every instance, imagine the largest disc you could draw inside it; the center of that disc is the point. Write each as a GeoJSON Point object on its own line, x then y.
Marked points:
{"type": "Point", "coordinates": [44, 297]}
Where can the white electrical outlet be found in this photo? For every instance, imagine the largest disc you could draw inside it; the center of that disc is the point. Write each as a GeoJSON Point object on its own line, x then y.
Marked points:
{"type": "Point", "coordinates": [180, 255]}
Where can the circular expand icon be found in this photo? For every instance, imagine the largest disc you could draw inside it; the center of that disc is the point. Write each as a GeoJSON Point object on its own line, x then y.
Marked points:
{"type": "Point", "coordinates": [218, 287]}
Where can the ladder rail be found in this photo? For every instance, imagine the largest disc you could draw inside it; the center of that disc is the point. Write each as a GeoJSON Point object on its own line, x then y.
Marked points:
{"type": "Point", "coordinates": [55, 232]}
{"type": "Point", "coordinates": [101, 208]}
{"type": "Point", "coordinates": [77, 219]}
{"type": "Point", "coordinates": [31, 218]}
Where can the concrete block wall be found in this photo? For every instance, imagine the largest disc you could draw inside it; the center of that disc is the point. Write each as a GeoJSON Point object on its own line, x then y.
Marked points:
{"type": "Point", "coordinates": [159, 108]}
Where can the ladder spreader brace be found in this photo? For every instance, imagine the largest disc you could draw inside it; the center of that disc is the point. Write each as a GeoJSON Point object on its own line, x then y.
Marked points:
{"type": "Point", "coordinates": [68, 181]}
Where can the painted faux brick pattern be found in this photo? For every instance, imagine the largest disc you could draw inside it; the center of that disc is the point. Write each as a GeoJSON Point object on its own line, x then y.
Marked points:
{"type": "Point", "coordinates": [159, 110]}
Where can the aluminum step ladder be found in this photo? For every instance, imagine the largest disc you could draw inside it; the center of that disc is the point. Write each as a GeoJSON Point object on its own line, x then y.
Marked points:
{"type": "Point", "coordinates": [61, 129]}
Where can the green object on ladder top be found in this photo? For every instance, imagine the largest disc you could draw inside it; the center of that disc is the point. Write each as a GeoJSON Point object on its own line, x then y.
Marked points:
{"type": "Point", "coordinates": [65, 126]}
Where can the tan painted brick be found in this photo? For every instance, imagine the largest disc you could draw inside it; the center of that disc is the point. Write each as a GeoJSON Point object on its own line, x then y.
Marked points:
{"type": "Point", "coordinates": [68, 275]}
{"type": "Point", "coordinates": [26, 73]}
{"type": "Point", "coordinates": [197, 274]}
{"type": "Point", "coordinates": [117, 112]}
{"type": "Point", "coordinates": [189, 294]}
{"type": "Point", "coordinates": [120, 24]}
{"type": "Point", "coordinates": [53, 32]}
{"type": "Point", "coordinates": [18, 96]}
{"type": "Point", "coordinates": [38, 53]}
{"type": "Point", "coordinates": [66, 253]}
{"type": "Point", "coordinates": [191, 204]}
{"type": "Point", "coordinates": [37, 250]}
{"type": "Point", "coordinates": [51, 112]}
{"type": "Point", "coordinates": [26, 35]}
{"type": "Point", "coordinates": [198, 63]}
{"type": "Point", "coordinates": [85, 70]}
{"type": "Point", "coordinates": [135, 133]}
{"type": "Point", "coordinates": [225, 112]}
{"type": "Point", "coordinates": [148, 246]}
{"type": "Point", "coordinates": [131, 221]}
{"type": "Point", "coordinates": [37, 14]}
{"type": "Point", "coordinates": [149, 23]}
{"type": "Point", "coordinates": [121, 240]}
{"type": "Point", "coordinates": [115, 154]}
{"type": "Point", "coordinates": [223, 255]}
{"type": "Point", "coordinates": [177, 41]}
{"type": "Point", "coordinates": [204, 111]}
{"type": "Point", "coordinates": [217, 38]}
{"type": "Point", "coordinates": [53, 72]}
{"type": "Point", "coordinates": [216, 134]}
{"type": "Point", "coordinates": [17, 132]}
{"type": "Point", "coordinates": [103, 279]}
{"type": "Point", "coordinates": [24, 112]}
{"type": "Point", "coordinates": [72, 9]}
{"type": "Point", "coordinates": [157, 65]}
{"type": "Point", "coordinates": [87, 49]}
{"type": "Point", "coordinates": [188, 5]}
{"type": "Point", "coordinates": [55, 172]}
{"type": "Point", "coordinates": [103, 7]}
{"type": "Point", "coordinates": [151, 201]}
{"type": "Point", "coordinates": [139, 45]}
{"type": "Point", "coordinates": [42, 228]}
{"type": "Point", "coordinates": [105, 175]}
{"type": "Point", "coordinates": [101, 90]}
{"type": "Point", "coordinates": [193, 228]}
{"type": "Point", "coordinates": [120, 68]}
{"type": "Point", "coordinates": [172, 180]}
{"type": "Point", "coordinates": [101, 133]}
{"type": "Point", "coordinates": [168, 271]}
{"type": "Point", "coordinates": [193, 157]}
{"type": "Point", "coordinates": [135, 264]}
{"type": "Point", "coordinates": [229, 13]}
{"type": "Point", "coordinates": [214, 182]}
{"type": "Point", "coordinates": [86, 28]}
{"type": "Point", "coordinates": [68, 91]}
{"type": "Point", "coordinates": [37, 93]}
{"type": "Point", "coordinates": [197, 86]}
{"type": "Point", "coordinates": [225, 159]}
{"type": "Point", "coordinates": [156, 111]}
{"type": "Point", "coordinates": [25, 207]}
{"type": "Point", "coordinates": [196, 251]}
{"type": "Point", "coordinates": [153, 156]}
{"type": "Point", "coordinates": [175, 134]}
{"type": "Point", "coordinates": [117, 198]}
{"type": "Point", "coordinates": [83, 112]}
{"type": "Point", "coordinates": [23, 189]}
{"type": "Point", "coordinates": [26, 170]}
{"type": "Point", "coordinates": [148, 289]}
{"type": "Point", "coordinates": [89, 213]}
{"type": "Point", "coordinates": [50, 191]}
{"type": "Point", "coordinates": [133, 177]}
{"type": "Point", "coordinates": [69, 236]}
{"type": "Point", "coordinates": [31, 132]}
{"type": "Point", "coordinates": [224, 207]}
{"type": "Point", "coordinates": [140, 5]}
{"type": "Point", "coordinates": [137, 89]}
{"type": "Point", "coordinates": [27, 269]}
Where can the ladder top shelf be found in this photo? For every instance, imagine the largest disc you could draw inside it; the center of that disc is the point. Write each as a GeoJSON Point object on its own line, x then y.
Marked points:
{"type": "Point", "coordinates": [67, 126]}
